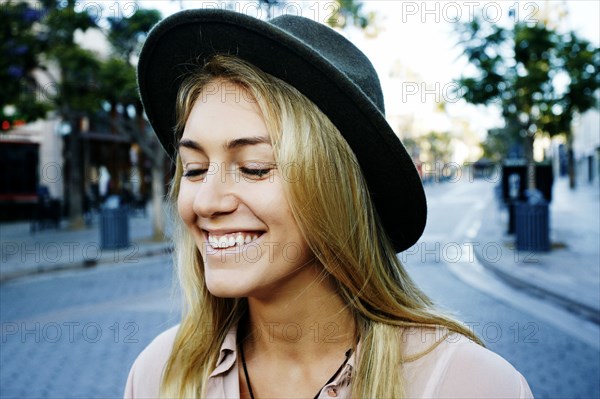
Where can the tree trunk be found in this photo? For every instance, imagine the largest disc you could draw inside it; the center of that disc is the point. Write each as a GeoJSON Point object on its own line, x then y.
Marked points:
{"type": "Point", "coordinates": [75, 184]}
{"type": "Point", "coordinates": [154, 152]}
{"type": "Point", "coordinates": [571, 163]}
{"type": "Point", "coordinates": [158, 196]}
{"type": "Point", "coordinates": [530, 162]}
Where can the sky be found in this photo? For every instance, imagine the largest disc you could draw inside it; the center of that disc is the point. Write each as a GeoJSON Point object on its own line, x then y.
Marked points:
{"type": "Point", "coordinates": [415, 51]}
{"type": "Point", "coordinates": [419, 39]}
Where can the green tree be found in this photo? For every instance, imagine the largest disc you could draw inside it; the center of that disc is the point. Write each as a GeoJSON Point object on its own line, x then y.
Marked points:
{"type": "Point", "coordinates": [350, 12]}
{"type": "Point", "coordinates": [119, 88]}
{"type": "Point", "coordinates": [72, 75]}
{"type": "Point", "coordinates": [127, 34]}
{"type": "Point", "coordinates": [343, 12]}
{"type": "Point", "coordinates": [437, 145]}
{"type": "Point", "coordinates": [499, 141]}
{"type": "Point", "coordinates": [582, 61]}
{"type": "Point", "coordinates": [20, 97]}
{"type": "Point", "coordinates": [518, 70]}
{"type": "Point", "coordinates": [41, 40]}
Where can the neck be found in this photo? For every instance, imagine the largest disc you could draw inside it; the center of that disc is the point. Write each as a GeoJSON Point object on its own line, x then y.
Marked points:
{"type": "Point", "coordinates": [302, 324]}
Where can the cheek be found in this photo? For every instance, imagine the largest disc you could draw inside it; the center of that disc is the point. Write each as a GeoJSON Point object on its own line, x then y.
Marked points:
{"type": "Point", "coordinates": [276, 209]}
{"type": "Point", "coordinates": [271, 197]}
{"type": "Point", "coordinates": [185, 204]}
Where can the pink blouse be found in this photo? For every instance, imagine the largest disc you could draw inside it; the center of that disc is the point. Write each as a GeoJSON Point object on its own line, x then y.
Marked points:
{"type": "Point", "coordinates": [438, 366]}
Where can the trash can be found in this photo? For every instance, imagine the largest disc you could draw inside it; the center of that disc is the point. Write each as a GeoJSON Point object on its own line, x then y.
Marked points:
{"type": "Point", "coordinates": [514, 182]}
{"type": "Point", "coordinates": [532, 224]}
{"type": "Point", "coordinates": [511, 216]}
{"type": "Point", "coordinates": [114, 228]}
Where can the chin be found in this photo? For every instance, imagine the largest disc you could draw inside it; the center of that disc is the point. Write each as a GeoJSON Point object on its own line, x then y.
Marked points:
{"type": "Point", "coordinates": [227, 292]}
{"type": "Point", "coordinates": [226, 287]}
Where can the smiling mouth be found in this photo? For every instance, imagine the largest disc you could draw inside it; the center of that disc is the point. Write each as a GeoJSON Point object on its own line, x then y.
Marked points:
{"type": "Point", "coordinates": [230, 240]}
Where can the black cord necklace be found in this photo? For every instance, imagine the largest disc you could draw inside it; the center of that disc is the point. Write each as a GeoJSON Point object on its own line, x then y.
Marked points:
{"type": "Point", "coordinates": [348, 353]}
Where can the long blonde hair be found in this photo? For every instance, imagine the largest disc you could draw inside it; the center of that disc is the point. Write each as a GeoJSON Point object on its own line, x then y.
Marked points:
{"type": "Point", "coordinates": [347, 239]}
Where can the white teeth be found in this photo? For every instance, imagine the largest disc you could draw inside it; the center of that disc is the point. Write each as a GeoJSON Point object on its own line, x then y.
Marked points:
{"type": "Point", "coordinates": [230, 240]}
{"type": "Point", "coordinates": [239, 239]}
{"type": "Point", "coordinates": [223, 242]}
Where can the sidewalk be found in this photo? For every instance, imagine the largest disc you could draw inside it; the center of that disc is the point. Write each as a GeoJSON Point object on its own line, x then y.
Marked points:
{"type": "Point", "coordinates": [24, 253]}
{"type": "Point", "coordinates": [570, 273]}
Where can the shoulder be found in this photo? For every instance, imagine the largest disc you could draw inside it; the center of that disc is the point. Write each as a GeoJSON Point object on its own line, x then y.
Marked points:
{"type": "Point", "coordinates": [452, 365]}
{"type": "Point", "coordinates": [474, 371]}
{"type": "Point", "coordinates": [146, 373]}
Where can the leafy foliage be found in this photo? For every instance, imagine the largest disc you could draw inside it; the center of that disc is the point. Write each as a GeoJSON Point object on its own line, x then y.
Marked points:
{"type": "Point", "coordinates": [126, 34]}
{"type": "Point", "coordinates": [431, 147]}
{"type": "Point", "coordinates": [118, 82]}
{"type": "Point", "coordinates": [38, 40]}
{"type": "Point", "coordinates": [350, 12]}
{"type": "Point", "coordinates": [19, 44]}
{"type": "Point", "coordinates": [79, 84]}
{"type": "Point", "coordinates": [521, 70]}
{"type": "Point", "coordinates": [41, 41]}
{"type": "Point", "coordinates": [347, 13]}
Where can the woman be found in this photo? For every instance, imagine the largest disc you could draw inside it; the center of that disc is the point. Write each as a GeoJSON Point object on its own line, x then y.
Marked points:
{"type": "Point", "coordinates": [293, 196]}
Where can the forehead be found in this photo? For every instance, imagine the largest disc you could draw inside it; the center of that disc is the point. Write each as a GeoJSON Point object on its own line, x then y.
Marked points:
{"type": "Point", "coordinates": [224, 108]}
{"type": "Point", "coordinates": [226, 90]}
{"type": "Point", "coordinates": [225, 116]}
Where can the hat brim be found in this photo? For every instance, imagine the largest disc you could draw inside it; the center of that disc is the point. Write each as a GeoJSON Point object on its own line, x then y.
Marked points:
{"type": "Point", "coordinates": [394, 184]}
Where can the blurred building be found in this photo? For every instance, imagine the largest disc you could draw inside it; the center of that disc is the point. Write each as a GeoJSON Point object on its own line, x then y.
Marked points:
{"type": "Point", "coordinates": [586, 146]}
{"type": "Point", "coordinates": [29, 157]}
{"type": "Point", "coordinates": [36, 159]}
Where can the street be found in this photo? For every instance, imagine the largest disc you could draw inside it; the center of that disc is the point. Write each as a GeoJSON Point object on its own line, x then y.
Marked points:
{"type": "Point", "coordinates": [76, 333]}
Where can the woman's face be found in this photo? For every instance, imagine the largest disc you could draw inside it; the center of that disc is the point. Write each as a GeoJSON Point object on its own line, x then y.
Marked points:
{"type": "Point", "coordinates": [231, 199]}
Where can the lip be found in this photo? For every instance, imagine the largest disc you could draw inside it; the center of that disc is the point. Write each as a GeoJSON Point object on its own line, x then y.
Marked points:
{"type": "Point", "coordinates": [221, 232]}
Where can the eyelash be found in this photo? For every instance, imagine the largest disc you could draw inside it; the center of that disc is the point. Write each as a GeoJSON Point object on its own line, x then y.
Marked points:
{"type": "Point", "coordinates": [256, 172]}
{"type": "Point", "coordinates": [194, 172]}
{"type": "Point", "coordinates": [253, 173]}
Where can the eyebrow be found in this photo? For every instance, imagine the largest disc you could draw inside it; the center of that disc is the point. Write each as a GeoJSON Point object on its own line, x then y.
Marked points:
{"type": "Point", "coordinates": [244, 141]}
{"type": "Point", "coordinates": [228, 146]}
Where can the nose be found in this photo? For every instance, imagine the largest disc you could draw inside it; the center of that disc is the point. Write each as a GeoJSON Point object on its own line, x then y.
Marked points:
{"type": "Point", "coordinates": [215, 195]}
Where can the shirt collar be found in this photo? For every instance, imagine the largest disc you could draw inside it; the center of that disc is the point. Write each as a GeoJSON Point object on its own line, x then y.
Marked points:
{"type": "Point", "coordinates": [228, 353]}
{"type": "Point", "coordinates": [344, 376]}
{"type": "Point", "coordinates": [228, 356]}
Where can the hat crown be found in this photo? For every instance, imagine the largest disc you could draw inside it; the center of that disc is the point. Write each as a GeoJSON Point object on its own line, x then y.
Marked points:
{"type": "Point", "coordinates": [338, 50]}
{"type": "Point", "coordinates": [316, 60]}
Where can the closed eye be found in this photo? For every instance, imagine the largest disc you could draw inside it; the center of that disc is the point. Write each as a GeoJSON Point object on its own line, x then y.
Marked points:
{"type": "Point", "coordinates": [256, 172]}
{"type": "Point", "coordinates": [192, 173]}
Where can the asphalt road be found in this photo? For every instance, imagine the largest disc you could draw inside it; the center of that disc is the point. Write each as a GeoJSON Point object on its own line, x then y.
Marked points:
{"type": "Point", "coordinates": [75, 334]}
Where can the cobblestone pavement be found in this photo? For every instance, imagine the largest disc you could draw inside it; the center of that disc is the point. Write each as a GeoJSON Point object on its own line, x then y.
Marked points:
{"type": "Point", "coordinates": [24, 253]}
{"type": "Point", "coordinates": [556, 364]}
{"type": "Point", "coordinates": [75, 334]}
{"type": "Point", "coordinates": [557, 350]}
{"type": "Point", "coordinates": [569, 274]}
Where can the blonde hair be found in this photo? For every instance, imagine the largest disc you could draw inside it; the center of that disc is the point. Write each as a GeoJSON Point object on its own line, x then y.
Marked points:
{"type": "Point", "coordinates": [347, 239]}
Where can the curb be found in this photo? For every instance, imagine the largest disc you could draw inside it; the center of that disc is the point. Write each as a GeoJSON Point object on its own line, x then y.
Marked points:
{"type": "Point", "coordinates": [579, 308]}
{"type": "Point", "coordinates": [86, 264]}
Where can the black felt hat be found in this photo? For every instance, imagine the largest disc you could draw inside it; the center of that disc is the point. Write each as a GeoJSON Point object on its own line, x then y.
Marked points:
{"type": "Point", "coordinates": [317, 61]}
